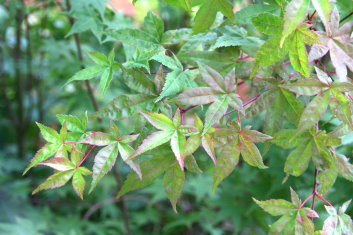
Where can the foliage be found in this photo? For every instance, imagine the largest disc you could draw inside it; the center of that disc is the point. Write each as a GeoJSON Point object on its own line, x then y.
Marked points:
{"type": "Point", "coordinates": [169, 103]}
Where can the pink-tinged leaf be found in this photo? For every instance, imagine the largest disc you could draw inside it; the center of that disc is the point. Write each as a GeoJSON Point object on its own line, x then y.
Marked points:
{"type": "Point", "coordinates": [276, 207]}
{"type": "Point", "coordinates": [154, 140]}
{"type": "Point", "coordinates": [125, 151]}
{"type": "Point", "coordinates": [235, 102]}
{"type": "Point", "coordinates": [78, 183]}
{"type": "Point", "coordinates": [103, 163]}
{"type": "Point", "coordinates": [344, 207]}
{"type": "Point", "coordinates": [215, 111]}
{"type": "Point", "coordinates": [306, 87]}
{"type": "Point", "coordinates": [250, 153]}
{"type": "Point", "coordinates": [173, 182]}
{"type": "Point", "coordinates": [343, 86]}
{"type": "Point", "coordinates": [310, 213]}
{"type": "Point", "coordinates": [59, 163]}
{"type": "Point", "coordinates": [340, 107]}
{"type": "Point", "coordinates": [177, 143]}
{"type": "Point", "coordinates": [198, 96]}
{"type": "Point", "coordinates": [295, 198]}
{"type": "Point", "coordinates": [313, 112]}
{"type": "Point", "coordinates": [98, 139]}
{"type": "Point", "coordinates": [322, 76]}
{"type": "Point", "coordinates": [159, 79]}
{"type": "Point", "coordinates": [128, 138]}
{"type": "Point", "coordinates": [323, 10]}
{"type": "Point", "coordinates": [298, 160]}
{"type": "Point", "coordinates": [345, 168]}
{"type": "Point", "coordinates": [303, 224]}
{"type": "Point", "coordinates": [226, 162]}
{"type": "Point", "coordinates": [254, 136]}
{"type": "Point", "coordinates": [159, 121]}
{"type": "Point", "coordinates": [330, 226]}
{"type": "Point", "coordinates": [177, 118]}
{"type": "Point", "coordinates": [55, 181]}
{"type": "Point", "coordinates": [334, 21]}
{"type": "Point", "coordinates": [317, 51]}
{"type": "Point", "coordinates": [213, 79]}
{"type": "Point", "coordinates": [208, 145]}
{"type": "Point", "coordinates": [295, 13]}
{"type": "Point", "coordinates": [346, 224]}
{"type": "Point", "coordinates": [230, 80]}
{"type": "Point", "coordinates": [43, 154]}
{"type": "Point", "coordinates": [48, 134]}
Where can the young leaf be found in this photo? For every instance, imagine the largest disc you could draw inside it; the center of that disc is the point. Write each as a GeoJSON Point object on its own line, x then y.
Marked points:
{"type": "Point", "coordinates": [79, 182]}
{"type": "Point", "coordinates": [295, 13]}
{"type": "Point", "coordinates": [173, 183]}
{"type": "Point", "coordinates": [55, 181]}
{"type": "Point", "coordinates": [215, 112]}
{"type": "Point", "coordinates": [158, 120]}
{"type": "Point", "coordinates": [59, 163]}
{"type": "Point", "coordinates": [126, 151]}
{"type": "Point", "coordinates": [48, 134]}
{"type": "Point", "coordinates": [177, 142]}
{"type": "Point", "coordinates": [250, 153]}
{"type": "Point", "coordinates": [87, 73]}
{"type": "Point", "coordinates": [98, 139]}
{"type": "Point", "coordinates": [226, 162]}
{"type": "Point", "coordinates": [276, 207]}
{"type": "Point", "coordinates": [103, 163]}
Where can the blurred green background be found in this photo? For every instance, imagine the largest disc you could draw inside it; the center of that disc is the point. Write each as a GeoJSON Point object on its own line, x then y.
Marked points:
{"type": "Point", "coordinates": [38, 54]}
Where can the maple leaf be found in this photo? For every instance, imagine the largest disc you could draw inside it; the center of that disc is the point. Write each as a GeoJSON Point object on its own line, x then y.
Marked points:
{"type": "Point", "coordinates": [338, 222]}
{"type": "Point", "coordinates": [113, 143]}
{"type": "Point", "coordinates": [294, 219]}
{"type": "Point", "coordinates": [206, 15]}
{"type": "Point", "coordinates": [338, 41]}
{"type": "Point", "coordinates": [170, 130]}
{"type": "Point", "coordinates": [221, 93]}
{"type": "Point", "coordinates": [239, 142]}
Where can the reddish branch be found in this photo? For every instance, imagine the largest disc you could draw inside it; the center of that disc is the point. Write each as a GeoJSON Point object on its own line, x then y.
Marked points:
{"type": "Point", "coordinates": [86, 156]}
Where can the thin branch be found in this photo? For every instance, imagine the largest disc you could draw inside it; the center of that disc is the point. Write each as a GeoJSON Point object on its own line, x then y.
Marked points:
{"type": "Point", "coordinates": [245, 104]}
{"type": "Point", "coordinates": [346, 17]}
{"type": "Point", "coordinates": [169, 71]}
{"type": "Point", "coordinates": [314, 188]}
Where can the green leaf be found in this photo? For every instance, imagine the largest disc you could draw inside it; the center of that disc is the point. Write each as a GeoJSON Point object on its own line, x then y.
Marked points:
{"type": "Point", "coordinates": [103, 163]}
{"type": "Point", "coordinates": [150, 169]}
{"type": "Point", "coordinates": [78, 183]}
{"type": "Point", "coordinates": [314, 111]}
{"type": "Point", "coordinates": [125, 152]}
{"type": "Point", "coordinates": [213, 79]}
{"type": "Point", "coordinates": [298, 160]}
{"type": "Point", "coordinates": [175, 82]}
{"type": "Point", "coordinates": [99, 58]}
{"type": "Point", "coordinates": [192, 144]}
{"type": "Point", "coordinates": [72, 123]}
{"type": "Point", "coordinates": [215, 111]}
{"type": "Point", "coordinates": [295, 13]}
{"type": "Point", "coordinates": [173, 183]}
{"type": "Point", "coordinates": [55, 181]}
{"type": "Point", "coordinates": [98, 139]}
{"type": "Point", "coordinates": [177, 142]}
{"type": "Point", "coordinates": [206, 15]}
{"type": "Point", "coordinates": [168, 61]}
{"type": "Point", "coordinates": [297, 54]}
{"type": "Point", "coordinates": [293, 107]}
{"type": "Point", "coordinates": [283, 226]}
{"type": "Point", "coordinates": [125, 106]}
{"type": "Point", "coordinates": [48, 134]}
{"type": "Point", "coordinates": [154, 140]}
{"type": "Point", "coordinates": [59, 163]}
{"type": "Point", "coordinates": [43, 154]}
{"type": "Point", "coordinates": [191, 164]}
{"type": "Point", "coordinates": [158, 120]}
{"type": "Point", "coordinates": [245, 15]}
{"type": "Point", "coordinates": [303, 224]}
{"type": "Point", "coordinates": [208, 144]}
{"type": "Point", "coordinates": [87, 73]}
{"type": "Point", "coordinates": [270, 52]}
{"type": "Point", "coordinates": [268, 23]}
{"type": "Point", "coordinates": [226, 162]}
{"type": "Point", "coordinates": [250, 153]}
{"type": "Point", "coordinates": [323, 9]}
{"type": "Point", "coordinates": [139, 82]}
{"type": "Point", "coordinates": [345, 168]}
{"type": "Point", "coordinates": [306, 87]}
{"type": "Point", "coordinates": [276, 207]}
{"type": "Point", "coordinates": [106, 78]}
{"type": "Point", "coordinates": [327, 177]}
{"type": "Point", "coordinates": [283, 138]}
{"type": "Point", "coordinates": [154, 26]}
{"type": "Point", "coordinates": [340, 106]}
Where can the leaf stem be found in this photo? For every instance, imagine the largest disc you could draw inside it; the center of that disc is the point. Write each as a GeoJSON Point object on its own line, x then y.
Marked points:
{"type": "Point", "coordinates": [86, 156]}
